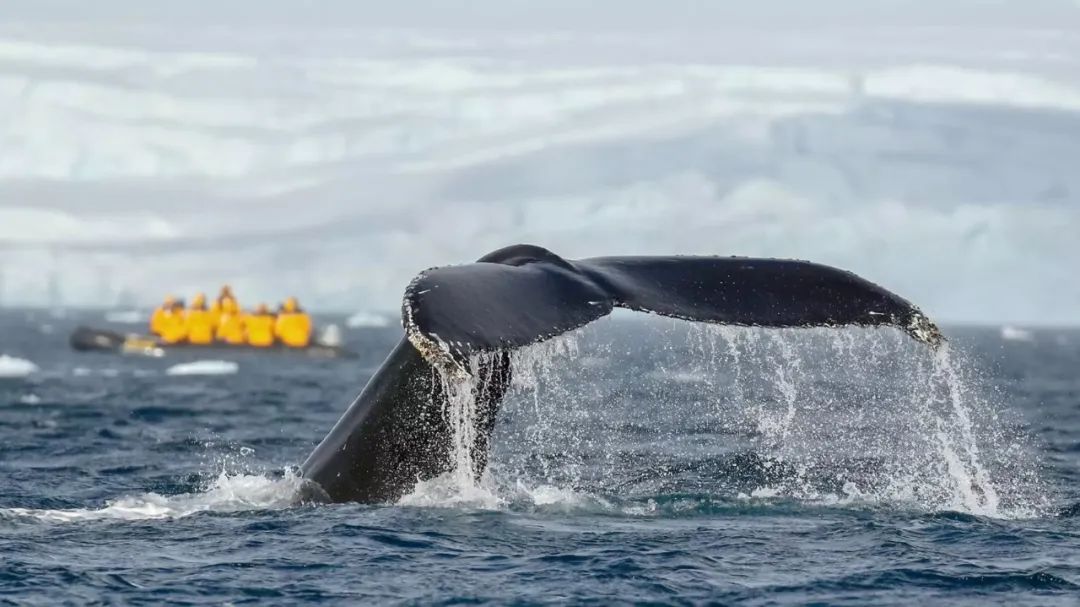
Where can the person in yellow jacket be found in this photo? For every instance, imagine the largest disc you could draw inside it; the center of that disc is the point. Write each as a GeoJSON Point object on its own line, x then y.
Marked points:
{"type": "Point", "coordinates": [172, 325]}
{"type": "Point", "coordinates": [293, 326]}
{"type": "Point", "coordinates": [230, 327]}
{"type": "Point", "coordinates": [225, 297]}
{"type": "Point", "coordinates": [259, 327]}
{"type": "Point", "coordinates": [200, 323]}
{"type": "Point", "coordinates": [157, 319]}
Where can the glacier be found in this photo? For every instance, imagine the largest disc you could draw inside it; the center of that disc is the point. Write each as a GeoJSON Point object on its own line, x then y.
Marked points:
{"type": "Point", "coordinates": [338, 162]}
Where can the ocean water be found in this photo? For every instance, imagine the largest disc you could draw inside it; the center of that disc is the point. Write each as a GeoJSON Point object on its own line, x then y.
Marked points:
{"type": "Point", "coordinates": [636, 461]}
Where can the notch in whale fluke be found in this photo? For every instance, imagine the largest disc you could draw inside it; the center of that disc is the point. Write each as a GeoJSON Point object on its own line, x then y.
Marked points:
{"type": "Point", "coordinates": [524, 294]}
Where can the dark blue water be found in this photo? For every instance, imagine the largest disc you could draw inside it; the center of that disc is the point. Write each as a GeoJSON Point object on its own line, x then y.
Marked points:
{"type": "Point", "coordinates": [639, 462]}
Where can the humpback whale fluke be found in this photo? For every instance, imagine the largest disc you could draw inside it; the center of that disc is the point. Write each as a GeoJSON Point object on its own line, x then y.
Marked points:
{"type": "Point", "coordinates": [396, 432]}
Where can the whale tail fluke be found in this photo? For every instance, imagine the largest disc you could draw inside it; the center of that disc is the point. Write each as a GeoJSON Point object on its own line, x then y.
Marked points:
{"type": "Point", "coordinates": [525, 294]}
{"type": "Point", "coordinates": [397, 432]}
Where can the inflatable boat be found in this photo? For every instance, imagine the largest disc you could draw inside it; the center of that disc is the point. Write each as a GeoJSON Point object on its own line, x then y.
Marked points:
{"type": "Point", "coordinates": [87, 339]}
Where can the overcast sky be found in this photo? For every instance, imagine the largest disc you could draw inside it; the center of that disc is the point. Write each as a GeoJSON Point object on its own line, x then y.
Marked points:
{"type": "Point", "coordinates": [334, 149]}
{"type": "Point", "coordinates": [585, 15]}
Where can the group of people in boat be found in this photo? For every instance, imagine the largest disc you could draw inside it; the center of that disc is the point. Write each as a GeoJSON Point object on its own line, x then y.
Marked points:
{"type": "Point", "coordinates": [224, 322]}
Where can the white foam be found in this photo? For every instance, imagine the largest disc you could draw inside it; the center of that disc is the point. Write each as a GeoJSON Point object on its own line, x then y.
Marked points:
{"type": "Point", "coordinates": [765, 492]}
{"type": "Point", "coordinates": [226, 494]}
{"type": "Point", "coordinates": [204, 367]}
{"type": "Point", "coordinates": [448, 491]}
{"type": "Point", "coordinates": [547, 496]}
{"type": "Point", "coordinates": [16, 368]}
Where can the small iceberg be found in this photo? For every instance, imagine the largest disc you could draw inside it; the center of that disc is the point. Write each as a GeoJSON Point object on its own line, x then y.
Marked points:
{"type": "Point", "coordinates": [367, 319]}
{"type": "Point", "coordinates": [1011, 333]}
{"type": "Point", "coordinates": [16, 368]}
{"type": "Point", "coordinates": [204, 367]}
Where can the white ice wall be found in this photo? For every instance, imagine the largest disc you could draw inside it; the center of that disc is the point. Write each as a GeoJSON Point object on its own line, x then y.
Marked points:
{"type": "Point", "coordinates": [336, 162]}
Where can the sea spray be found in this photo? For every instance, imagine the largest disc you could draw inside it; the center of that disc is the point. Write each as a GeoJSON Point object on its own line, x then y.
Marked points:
{"type": "Point", "coordinates": [463, 392]}
{"type": "Point", "coordinates": [974, 490]}
{"type": "Point", "coordinates": [906, 415]}
{"type": "Point", "coordinates": [829, 415]}
{"type": "Point", "coordinates": [536, 376]}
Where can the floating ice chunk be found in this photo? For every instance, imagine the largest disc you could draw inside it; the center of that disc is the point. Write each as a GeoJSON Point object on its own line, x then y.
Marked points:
{"type": "Point", "coordinates": [16, 368]}
{"type": "Point", "coordinates": [1011, 333]}
{"type": "Point", "coordinates": [204, 367]}
{"type": "Point", "coordinates": [367, 319]}
{"type": "Point", "coordinates": [126, 317]}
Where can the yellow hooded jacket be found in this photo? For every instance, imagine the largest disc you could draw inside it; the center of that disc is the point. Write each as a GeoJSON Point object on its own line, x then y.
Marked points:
{"type": "Point", "coordinates": [172, 325]}
{"type": "Point", "coordinates": [157, 319]}
{"type": "Point", "coordinates": [293, 326]}
{"type": "Point", "coordinates": [221, 305]}
{"type": "Point", "coordinates": [200, 322]}
{"type": "Point", "coordinates": [260, 327]}
{"type": "Point", "coordinates": [230, 327]}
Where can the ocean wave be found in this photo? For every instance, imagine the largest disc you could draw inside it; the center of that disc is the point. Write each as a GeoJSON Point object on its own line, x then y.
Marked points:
{"type": "Point", "coordinates": [450, 490]}
{"type": "Point", "coordinates": [227, 493]}
{"type": "Point", "coordinates": [247, 492]}
{"type": "Point", "coordinates": [988, 581]}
